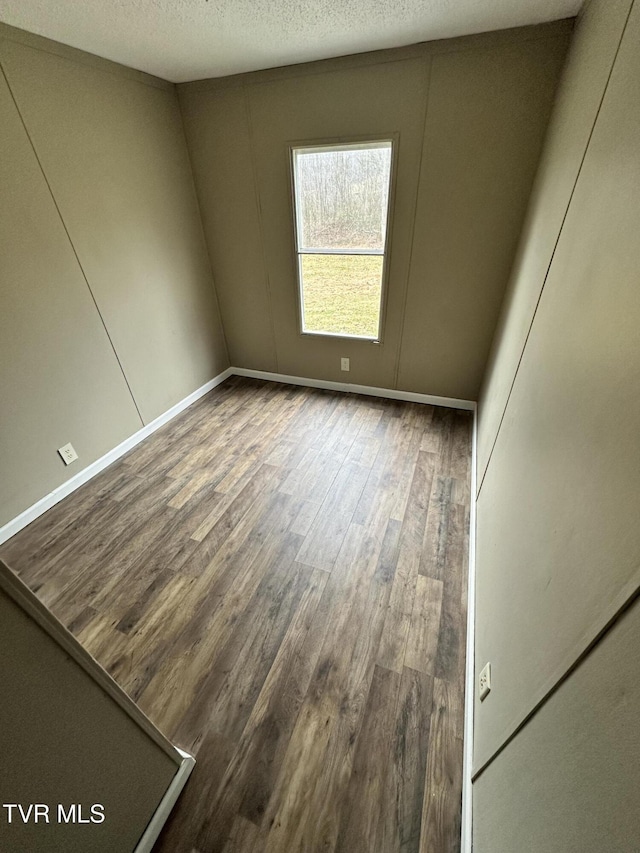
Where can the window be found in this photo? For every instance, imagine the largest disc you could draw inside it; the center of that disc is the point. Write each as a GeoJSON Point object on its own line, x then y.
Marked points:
{"type": "Point", "coordinates": [341, 198]}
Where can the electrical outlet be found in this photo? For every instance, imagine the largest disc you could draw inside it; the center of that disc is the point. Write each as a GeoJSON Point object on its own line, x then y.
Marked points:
{"type": "Point", "coordinates": [68, 454]}
{"type": "Point", "coordinates": [484, 681]}
{"type": "Point", "coordinates": [344, 364]}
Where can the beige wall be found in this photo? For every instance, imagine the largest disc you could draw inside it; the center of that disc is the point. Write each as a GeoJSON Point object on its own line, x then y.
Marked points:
{"type": "Point", "coordinates": [578, 98]}
{"type": "Point", "coordinates": [557, 532]}
{"type": "Point", "coordinates": [107, 311]}
{"type": "Point", "coordinates": [63, 739]}
{"type": "Point", "coordinates": [470, 114]}
{"type": "Point", "coordinates": [569, 781]}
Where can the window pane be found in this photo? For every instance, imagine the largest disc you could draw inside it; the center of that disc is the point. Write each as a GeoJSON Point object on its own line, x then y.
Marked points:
{"type": "Point", "coordinates": [341, 293]}
{"type": "Point", "coordinates": [342, 197]}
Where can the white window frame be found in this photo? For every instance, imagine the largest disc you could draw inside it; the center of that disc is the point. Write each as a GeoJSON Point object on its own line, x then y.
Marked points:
{"type": "Point", "coordinates": [341, 145]}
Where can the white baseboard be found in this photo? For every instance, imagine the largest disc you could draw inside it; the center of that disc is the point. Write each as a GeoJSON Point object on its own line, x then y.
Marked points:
{"type": "Point", "coordinates": [31, 513]}
{"type": "Point", "coordinates": [161, 814]}
{"type": "Point", "coordinates": [466, 842]}
{"type": "Point", "coordinates": [368, 390]}
{"type": "Point", "coordinates": [12, 527]}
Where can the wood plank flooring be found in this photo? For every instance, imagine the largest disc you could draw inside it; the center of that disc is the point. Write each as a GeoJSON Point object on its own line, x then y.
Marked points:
{"type": "Point", "coordinates": [278, 578]}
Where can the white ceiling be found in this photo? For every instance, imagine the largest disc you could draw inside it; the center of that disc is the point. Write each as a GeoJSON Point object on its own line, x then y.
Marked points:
{"type": "Point", "coordinates": [182, 40]}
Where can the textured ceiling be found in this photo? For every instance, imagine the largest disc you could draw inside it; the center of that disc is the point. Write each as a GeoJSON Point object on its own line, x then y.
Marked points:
{"type": "Point", "coordinates": [183, 40]}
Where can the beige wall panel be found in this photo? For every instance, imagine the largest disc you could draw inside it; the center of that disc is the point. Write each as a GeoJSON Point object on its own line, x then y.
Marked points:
{"type": "Point", "coordinates": [114, 154]}
{"type": "Point", "coordinates": [386, 98]}
{"type": "Point", "coordinates": [64, 740]}
{"type": "Point", "coordinates": [588, 66]}
{"type": "Point", "coordinates": [217, 128]}
{"type": "Point", "coordinates": [558, 534]}
{"type": "Point", "coordinates": [569, 781]}
{"type": "Point", "coordinates": [487, 113]}
{"type": "Point", "coordinates": [489, 98]}
{"type": "Point", "coordinates": [59, 378]}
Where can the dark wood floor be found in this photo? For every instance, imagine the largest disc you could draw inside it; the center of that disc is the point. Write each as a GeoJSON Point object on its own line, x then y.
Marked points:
{"type": "Point", "coordinates": [278, 578]}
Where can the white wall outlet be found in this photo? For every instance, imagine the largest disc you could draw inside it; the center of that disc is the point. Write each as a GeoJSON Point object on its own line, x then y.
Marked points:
{"type": "Point", "coordinates": [484, 681]}
{"type": "Point", "coordinates": [344, 364]}
{"type": "Point", "coordinates": [68, 454]}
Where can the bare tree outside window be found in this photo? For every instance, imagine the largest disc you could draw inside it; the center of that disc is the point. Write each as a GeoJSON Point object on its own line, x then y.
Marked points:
{"type": "Point", "coordinates": [341, 198]}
